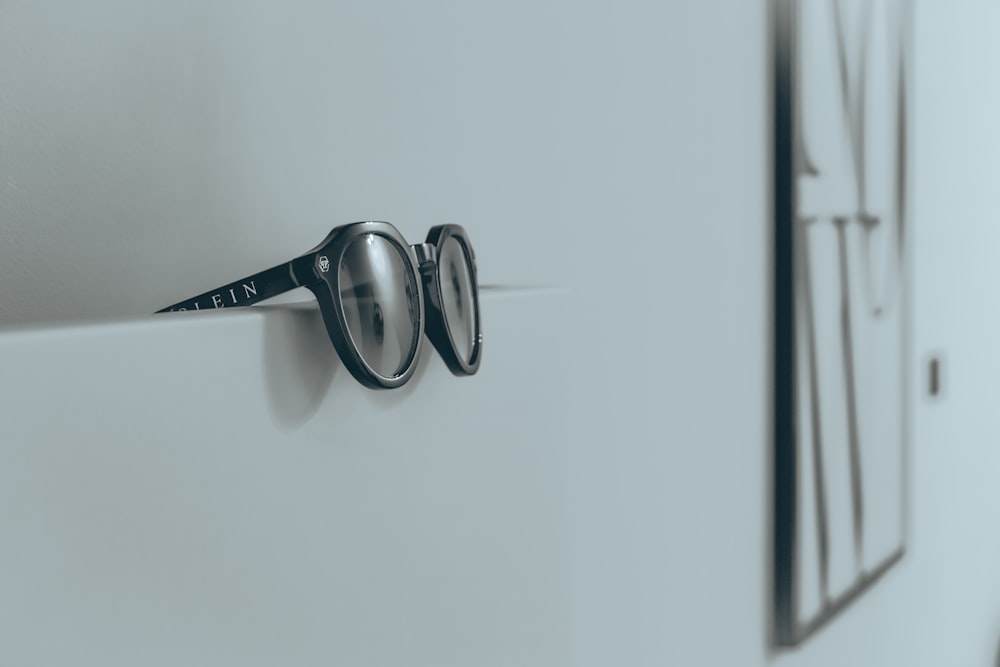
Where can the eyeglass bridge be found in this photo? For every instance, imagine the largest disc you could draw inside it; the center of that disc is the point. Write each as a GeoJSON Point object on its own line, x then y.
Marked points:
{"type": "Point", "coordinates": [426, 254]}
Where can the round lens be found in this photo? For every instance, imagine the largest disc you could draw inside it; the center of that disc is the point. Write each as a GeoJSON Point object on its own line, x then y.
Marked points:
{"type": "Point", "coordinates": [455, 280]}
{"type": "Point", "coordinates": [380, 301]}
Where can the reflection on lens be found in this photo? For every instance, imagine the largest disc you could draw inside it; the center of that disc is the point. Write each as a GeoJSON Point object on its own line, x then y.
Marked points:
{"type": "Point", "coordinates": [380, 304]}
{"type": "Point", "coordinates": [455, 279]}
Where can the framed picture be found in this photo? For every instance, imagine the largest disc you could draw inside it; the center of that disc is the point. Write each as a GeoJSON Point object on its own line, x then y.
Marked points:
{"type": "Point", "coordinates": [841, 303]}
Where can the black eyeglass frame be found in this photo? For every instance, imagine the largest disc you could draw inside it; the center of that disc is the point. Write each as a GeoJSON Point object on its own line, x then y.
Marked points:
{"type": "Point", "coordinates": [317, 270]}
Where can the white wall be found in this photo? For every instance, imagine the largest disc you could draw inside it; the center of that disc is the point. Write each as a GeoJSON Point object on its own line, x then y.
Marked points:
{"type": "Point", "coordinates": [150, 151]}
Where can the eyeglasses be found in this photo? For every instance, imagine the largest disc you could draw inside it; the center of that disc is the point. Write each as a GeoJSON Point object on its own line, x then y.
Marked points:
{"type": "Point", "coordinates": [377, 295]}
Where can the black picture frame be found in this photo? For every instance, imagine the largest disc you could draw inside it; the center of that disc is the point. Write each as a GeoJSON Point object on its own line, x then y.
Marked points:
{"type": "Point", "coordinates": [841, 283]}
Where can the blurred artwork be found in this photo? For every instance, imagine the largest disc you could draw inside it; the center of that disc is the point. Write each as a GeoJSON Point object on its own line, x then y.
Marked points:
{"type": "Point", "coordinates": [840, 304]}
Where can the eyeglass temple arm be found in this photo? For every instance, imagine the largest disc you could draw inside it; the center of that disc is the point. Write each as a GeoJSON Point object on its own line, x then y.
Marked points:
{"type": "Point", "coordinates": [248, 291]}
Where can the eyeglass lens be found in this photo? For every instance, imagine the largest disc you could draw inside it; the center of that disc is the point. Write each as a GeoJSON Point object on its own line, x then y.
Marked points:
{"type": "Point", "coordinates": [455, 279]}
{"type": "Point", "coordinates": [380, 303]}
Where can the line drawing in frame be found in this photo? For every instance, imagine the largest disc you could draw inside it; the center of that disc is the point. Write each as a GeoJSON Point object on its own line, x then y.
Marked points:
{"type": "Point", "coordinates": [841, 304]}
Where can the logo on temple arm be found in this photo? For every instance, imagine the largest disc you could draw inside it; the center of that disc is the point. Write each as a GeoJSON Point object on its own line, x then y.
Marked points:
{"type": "Point", "coordinates": [324, 264]}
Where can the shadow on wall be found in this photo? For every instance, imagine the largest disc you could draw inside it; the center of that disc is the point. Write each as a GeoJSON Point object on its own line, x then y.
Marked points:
{"type": "Point", "coordinates": [299, 362]}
